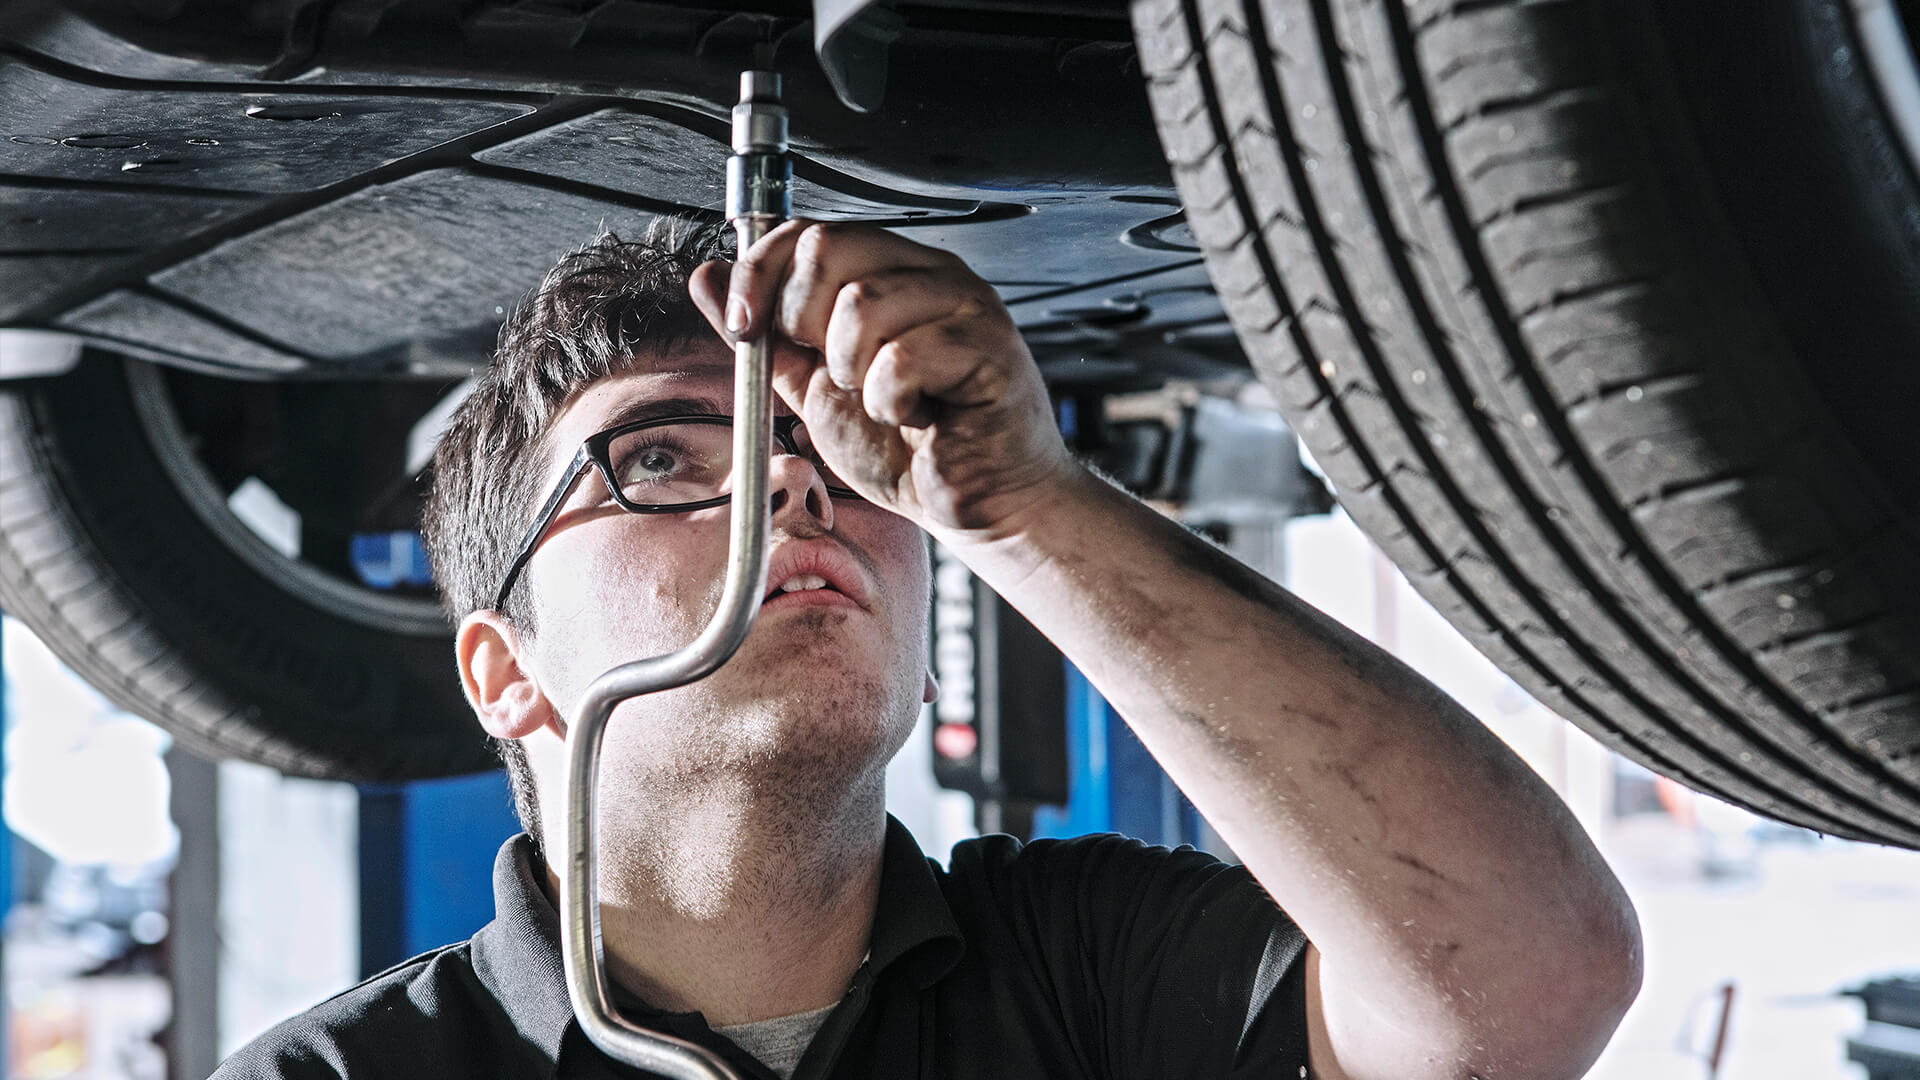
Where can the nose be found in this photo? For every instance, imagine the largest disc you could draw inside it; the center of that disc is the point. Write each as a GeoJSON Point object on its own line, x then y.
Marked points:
{"type": "Point", "coordinates": [797, 490]}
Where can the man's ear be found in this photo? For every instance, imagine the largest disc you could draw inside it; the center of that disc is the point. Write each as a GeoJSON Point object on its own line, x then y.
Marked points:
{"type": "Point", "coordinates": [932, 691]}
{"type": "Point", "coordinates": [501, 689]}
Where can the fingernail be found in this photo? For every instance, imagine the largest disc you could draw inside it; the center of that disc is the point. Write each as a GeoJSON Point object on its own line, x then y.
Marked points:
{"type": "Point", "coordinates": [736, 316]}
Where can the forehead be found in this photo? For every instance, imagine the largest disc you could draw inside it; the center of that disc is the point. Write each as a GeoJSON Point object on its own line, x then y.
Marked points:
{"type": "Point", "coordinates": [700, 373]}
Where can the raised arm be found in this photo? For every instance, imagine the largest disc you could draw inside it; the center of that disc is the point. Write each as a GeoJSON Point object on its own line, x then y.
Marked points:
{"type": "Point", "coordinates": [1462, 923]}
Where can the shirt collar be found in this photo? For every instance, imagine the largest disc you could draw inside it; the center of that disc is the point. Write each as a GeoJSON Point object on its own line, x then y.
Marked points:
{"type": "Point", "coordinates": [517, 955]}
{"type": "Point", "coordinates": [913, 925]}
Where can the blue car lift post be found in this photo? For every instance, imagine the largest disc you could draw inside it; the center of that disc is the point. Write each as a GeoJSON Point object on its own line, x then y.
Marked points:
{"type": "Point", "coordinates": [1114, 784]}
{"type": "Point", "coordinates": [426, 859]}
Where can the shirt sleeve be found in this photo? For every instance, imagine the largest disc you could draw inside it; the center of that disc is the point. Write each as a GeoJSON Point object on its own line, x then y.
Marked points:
{"type": "Point", "coordinates": [1165, 962]}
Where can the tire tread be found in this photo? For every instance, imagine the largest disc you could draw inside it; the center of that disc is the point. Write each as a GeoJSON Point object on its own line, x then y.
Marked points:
{"type": "Point", "coordinates": [1608, 608]}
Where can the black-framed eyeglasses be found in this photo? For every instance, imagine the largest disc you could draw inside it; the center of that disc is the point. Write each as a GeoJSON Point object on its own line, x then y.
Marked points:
{"type": "Point", "coordinates": [667, 466]}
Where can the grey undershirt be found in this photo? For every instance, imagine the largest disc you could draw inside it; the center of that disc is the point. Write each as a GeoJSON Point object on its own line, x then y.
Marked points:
{"type": "Point", "coordinates": [779, 1042]}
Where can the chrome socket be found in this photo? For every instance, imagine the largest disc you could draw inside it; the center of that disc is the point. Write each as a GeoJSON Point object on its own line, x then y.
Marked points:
{"type": "Point", "coordinates": [760, 172]}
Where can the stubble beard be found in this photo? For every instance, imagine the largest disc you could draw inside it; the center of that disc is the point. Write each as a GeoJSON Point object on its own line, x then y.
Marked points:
{"type": "Point", "coordinates": [758, 787]}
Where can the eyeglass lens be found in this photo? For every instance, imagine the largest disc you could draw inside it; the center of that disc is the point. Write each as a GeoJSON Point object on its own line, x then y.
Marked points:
{"type": "Point", "coordinates": [667, 464]}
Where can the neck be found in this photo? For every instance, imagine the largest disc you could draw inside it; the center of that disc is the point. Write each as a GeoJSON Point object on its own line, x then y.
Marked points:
{"type": "Point", "coordinates": [737, 905]}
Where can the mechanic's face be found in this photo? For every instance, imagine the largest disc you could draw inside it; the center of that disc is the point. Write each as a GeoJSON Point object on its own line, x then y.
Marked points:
{"type": "Point", "coordinates": [829, 681]}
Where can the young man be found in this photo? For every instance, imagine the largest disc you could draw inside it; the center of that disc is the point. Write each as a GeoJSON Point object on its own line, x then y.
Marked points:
{"type": "Point", "coordinates": [757, 899]}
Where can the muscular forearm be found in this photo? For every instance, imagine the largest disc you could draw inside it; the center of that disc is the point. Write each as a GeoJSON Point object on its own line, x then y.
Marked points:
{"type": "Point", "coordinates": [1436, 875]}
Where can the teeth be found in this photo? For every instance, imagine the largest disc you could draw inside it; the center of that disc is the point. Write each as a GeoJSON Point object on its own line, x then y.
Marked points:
{"type": "Point", "coordinates": [803, 581]}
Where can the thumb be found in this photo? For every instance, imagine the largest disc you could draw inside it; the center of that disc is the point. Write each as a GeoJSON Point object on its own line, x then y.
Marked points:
{"type": "Point", "coordinates": [707, 287]}
{"type": "Point", "coordinates": [793, 365]}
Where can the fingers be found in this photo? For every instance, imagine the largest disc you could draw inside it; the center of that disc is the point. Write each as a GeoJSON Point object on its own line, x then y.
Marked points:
{"type": "Point", "coordinates": [707, 286]}
{"type": "Point", "coordinates": [877, 308]}
{"type": "Point", "coordinates": [874, 324]}
{"type": "Point", "coordinates": [949, 362]}
{"type": "Point", "coordinates": [802, 382]}
{"type": "Point", "coordinates": [795, 273]}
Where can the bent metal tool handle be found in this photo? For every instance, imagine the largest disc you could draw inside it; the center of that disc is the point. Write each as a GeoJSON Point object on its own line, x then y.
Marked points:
{"type": "Point", "coordinates": [758, 198]}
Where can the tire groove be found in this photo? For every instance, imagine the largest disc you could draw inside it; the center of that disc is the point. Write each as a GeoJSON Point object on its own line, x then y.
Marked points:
{"type": "Point", "coordinates": [1536, 511]}
{"type": "Point", "coordinates": [1563, 297]}
{"type": "Point", "coordinates": [1497, 107]}
{"type": "Point", "coordinates": [1790, 642]}
{"type": "Point", "coordinates": [1534, 203]}
{"type": "Point", "coordinates": [1471, 520]}
{"type": "Point", "coordinates": [1489, 293]}
{"type": "Point", "coordinates": [1704, 489]}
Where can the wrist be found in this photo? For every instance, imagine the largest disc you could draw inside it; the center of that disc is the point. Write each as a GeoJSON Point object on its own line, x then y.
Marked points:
{"type": "Point", "coordinates": [1041, 515]}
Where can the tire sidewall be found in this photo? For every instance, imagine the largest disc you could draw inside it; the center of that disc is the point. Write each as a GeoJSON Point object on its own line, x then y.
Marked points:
{"type": "Point", "coordinates": [177, 626]}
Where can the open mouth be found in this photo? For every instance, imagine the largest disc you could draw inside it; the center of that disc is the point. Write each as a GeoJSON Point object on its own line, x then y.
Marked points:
{"type": "Point", "coordinates": [802, 583]}
{"type": "Point", "coordinates": [814, 572]}
{"type": "Point", "coordinates": [807, 590]}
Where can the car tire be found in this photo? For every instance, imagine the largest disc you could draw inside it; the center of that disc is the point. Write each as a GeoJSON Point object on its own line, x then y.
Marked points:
{"type": "Point", "coordinates": [1549, 291]}
{"type": "Point", "coordinates": [114, 556]}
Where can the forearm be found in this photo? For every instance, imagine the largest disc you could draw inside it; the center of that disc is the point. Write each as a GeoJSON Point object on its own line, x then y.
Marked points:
{"type": "Point", "coordinates": [1448, 893]}
{"type": "Point", "coordinates": [1422, 858]}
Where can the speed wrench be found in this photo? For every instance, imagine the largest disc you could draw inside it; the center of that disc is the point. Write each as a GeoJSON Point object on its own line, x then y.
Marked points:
{"type": "Point", "coordinates": [759, 176]}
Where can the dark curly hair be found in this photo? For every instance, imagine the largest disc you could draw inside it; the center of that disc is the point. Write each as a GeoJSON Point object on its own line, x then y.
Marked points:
{"type": "Point", "coordinates": [597, 310]}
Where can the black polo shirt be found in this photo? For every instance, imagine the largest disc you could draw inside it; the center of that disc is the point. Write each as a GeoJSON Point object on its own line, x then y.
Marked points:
{"type": "Point", "coordinates": [1092, 957]}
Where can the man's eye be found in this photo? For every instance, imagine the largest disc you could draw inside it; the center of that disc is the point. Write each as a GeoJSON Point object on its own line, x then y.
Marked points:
{"type": "Point", "coordinates": [650, 465]}
{"type": "Point", "coordinates": [657, 462]}
{"type": "Point", "coordinates": [671, 463]}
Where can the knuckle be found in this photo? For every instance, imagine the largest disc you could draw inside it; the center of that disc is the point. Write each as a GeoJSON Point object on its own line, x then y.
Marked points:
{"type": "Point", "coordinates": [853, 308]}
{"type": "Point", "coordinates": [862, 294]}
{"type": "Point", "coordinates": [840, 368]}
{"type": "Point", "coordinates": [753, 260]}
{"type": "Point", "coordinates": [894, 357]}
{"type": "Point", "coordinates": [818, 242]}
{"type": "Point", "coordinates": [888, 390]}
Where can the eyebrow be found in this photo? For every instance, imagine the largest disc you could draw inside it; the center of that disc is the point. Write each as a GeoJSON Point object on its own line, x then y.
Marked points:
{"type": "Point", "coordinates": [658, 408]}
{"type": "Point", "coordinates": [654, 409]}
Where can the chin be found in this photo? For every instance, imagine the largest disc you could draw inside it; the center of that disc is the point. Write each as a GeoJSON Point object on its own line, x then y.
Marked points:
{"type": "Point", "coordinates": [800, 727]}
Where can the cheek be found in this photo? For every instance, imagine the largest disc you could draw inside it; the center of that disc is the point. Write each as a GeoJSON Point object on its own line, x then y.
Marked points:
{"type": "Point", "coordinates": [615, 595]}
{"type": "Point", "coordinates": [901, 552]}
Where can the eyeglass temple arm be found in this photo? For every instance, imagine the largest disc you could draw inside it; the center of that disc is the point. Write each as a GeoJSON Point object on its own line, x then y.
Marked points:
{"type": "Point", "coordinates": [542, 521]}
{"type": "Point", "coordinates": [758, 178]}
